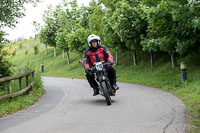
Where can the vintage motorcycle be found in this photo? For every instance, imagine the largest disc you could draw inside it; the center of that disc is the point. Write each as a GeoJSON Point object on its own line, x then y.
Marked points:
{"type": "Point", "coordinates": [101, 76]}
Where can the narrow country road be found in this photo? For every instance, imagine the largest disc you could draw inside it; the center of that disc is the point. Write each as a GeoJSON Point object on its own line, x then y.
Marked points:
{"type": "Point", "coordinates": [69, 107]}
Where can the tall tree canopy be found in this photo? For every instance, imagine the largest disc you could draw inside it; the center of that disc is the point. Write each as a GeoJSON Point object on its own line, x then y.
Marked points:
{"type": "Point", "coordinates": [168, 26]}
{"type": "Point", "coordinates": [11, 11]}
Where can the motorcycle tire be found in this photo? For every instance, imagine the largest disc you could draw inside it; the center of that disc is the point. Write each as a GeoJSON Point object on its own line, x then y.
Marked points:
{"type": "Point", "coordinates": [105, 92]}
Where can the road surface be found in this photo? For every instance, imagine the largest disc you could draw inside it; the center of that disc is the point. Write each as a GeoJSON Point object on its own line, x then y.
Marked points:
{"type": "Point", "coordinates": [69, 107]}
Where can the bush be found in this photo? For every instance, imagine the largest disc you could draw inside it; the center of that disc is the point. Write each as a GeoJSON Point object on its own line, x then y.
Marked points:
{"type": "Point", "coordinates": [20, 45]}
{"type": "Point", "coordinates": [4, 68]}
{"type": "Point", "coordinates": [36, 50]}
{"type": "Point", "coordinates": [4, 53]}
{"type": "Point", "coordinates": [26, 52]}
{"type": "Point", "coordinates": [14, 53]}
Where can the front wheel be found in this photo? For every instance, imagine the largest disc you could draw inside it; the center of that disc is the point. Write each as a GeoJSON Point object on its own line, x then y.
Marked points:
{"type": "Point", "coordinates": [105, 92]}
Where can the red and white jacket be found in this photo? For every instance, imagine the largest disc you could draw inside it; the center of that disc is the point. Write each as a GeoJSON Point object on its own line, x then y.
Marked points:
{"type": "Point", "coordinates": [93, 55]}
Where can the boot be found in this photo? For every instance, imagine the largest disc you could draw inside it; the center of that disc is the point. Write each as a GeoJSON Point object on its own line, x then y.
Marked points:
{"type": "Point", "coordinates": [96, 91]}
{"type": "Point", "coordinates": [113, 80]}
{"type": "Point", "coordinates": [115, 86]}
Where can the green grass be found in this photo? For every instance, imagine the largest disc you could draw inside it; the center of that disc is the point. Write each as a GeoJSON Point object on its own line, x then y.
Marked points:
{"type": "Point", "coordinates": [20, 102]}
{"type": "Point", "coordinates": [161, 76]}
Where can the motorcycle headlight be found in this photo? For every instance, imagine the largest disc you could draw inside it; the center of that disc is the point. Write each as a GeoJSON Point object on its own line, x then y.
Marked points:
{"type": "Point", "coordinates": [99, 66]}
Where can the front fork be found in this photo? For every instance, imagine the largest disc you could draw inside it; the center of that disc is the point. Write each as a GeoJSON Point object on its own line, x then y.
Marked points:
{"type": "Point", "coordinates": [103, 77]}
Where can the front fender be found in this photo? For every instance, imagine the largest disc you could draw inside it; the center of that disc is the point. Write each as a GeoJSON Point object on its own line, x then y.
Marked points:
{"type": "Point", "coordinates": [102, 78]}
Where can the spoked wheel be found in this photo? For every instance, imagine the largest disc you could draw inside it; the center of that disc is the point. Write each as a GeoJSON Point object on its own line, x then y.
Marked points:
{"type": "Point", "coordinates": [105, 92]}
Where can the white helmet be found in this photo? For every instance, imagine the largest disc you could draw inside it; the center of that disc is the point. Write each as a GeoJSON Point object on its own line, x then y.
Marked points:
{"type": "Point", "coordinates": [93, 37]}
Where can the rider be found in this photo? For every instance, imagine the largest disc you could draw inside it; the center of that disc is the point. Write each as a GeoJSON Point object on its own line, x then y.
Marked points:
{"type": "Point", "coordinates": [96, 53]}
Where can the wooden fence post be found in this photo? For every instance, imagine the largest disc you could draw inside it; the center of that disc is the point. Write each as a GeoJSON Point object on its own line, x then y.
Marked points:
{"type": "Point", "coordinates": [27, 81]}
{"type": "Point", "coordinates": [33, 75]}
{"type": "Point", "coordinates": [20, 83]}
{"type": "Point", "coordinates": [9, 89]}
{"type": "Point", "coordinates": [27, 84]}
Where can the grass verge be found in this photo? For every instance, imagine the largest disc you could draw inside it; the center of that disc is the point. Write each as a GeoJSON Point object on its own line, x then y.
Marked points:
{"type": "Point", "coordinates": [21, 102]}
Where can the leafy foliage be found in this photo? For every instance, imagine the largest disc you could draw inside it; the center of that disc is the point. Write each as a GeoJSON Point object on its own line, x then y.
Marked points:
{"type": "Point", "coordinates": [4, 68]}
{"type": "Point", "coordinates": [77, 41]}
{"type": "Point", "coordinates": [48, 32]}
{"type": "Point", "coordinates": [128, 24]}
{"type": "Point", "coordinates": [12, 10]}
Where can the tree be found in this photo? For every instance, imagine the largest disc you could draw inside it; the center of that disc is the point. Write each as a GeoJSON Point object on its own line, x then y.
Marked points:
{"type": "Point", "coordinates": [170, 28]}
{"type": "Point", "coordinates": [64, 28]}
{"type": "Point", "coordinates": [84, 19]}
{"type": "Point", "coordinates": [128, 24]}
{"type": "Point", "coordinates": [149, 43]}
{"type": "Point", "coordinates": [111, 38]}
{"type": "Point", "coordinates": [74, 15]}
{"type": "Point", "coordinates": [95, 18]}
{"type": "Point", "coordinates": [77, 40]}
{"type": "Point", "coordinates": [44, 37]}
{"type": "Point", "coordinates": [62, 43]}
{"type": "Point", "coordinates": [187, 30]}
{"type": "Point", "coordinates": [10, 12]}
{"type": "Point", "coordinates": [69, 21]}
{"type": "Point", "coordinates": [48, 32]}
{"type": "Point", "coordinates": [195, 9]}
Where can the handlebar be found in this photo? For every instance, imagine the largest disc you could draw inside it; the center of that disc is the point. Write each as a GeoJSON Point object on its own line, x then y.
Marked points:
{"type": "Point", "coordinates": [104, 64]}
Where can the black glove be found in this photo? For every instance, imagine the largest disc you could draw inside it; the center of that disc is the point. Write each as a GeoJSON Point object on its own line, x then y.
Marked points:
{"type": "Point", "coordinates": [87, 70]}
{"type": "Point", "coordinates": [111, 62]}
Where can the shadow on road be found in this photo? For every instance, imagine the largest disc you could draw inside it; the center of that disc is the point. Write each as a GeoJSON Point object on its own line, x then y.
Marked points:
{"type": "Point", "coordinates": [96, 102]}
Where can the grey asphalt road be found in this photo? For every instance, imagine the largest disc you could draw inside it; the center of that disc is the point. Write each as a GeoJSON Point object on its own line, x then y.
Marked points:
{"type": "Point", "coordinates": [69, 107]}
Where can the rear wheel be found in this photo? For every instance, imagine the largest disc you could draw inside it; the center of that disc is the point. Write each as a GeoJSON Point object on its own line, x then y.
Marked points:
{"type": "Point", "coordinates": [105, 92]}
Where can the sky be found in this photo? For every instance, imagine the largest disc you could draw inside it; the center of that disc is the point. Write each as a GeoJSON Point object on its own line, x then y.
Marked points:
{"type": "Point", "coordinates": [25, 26]}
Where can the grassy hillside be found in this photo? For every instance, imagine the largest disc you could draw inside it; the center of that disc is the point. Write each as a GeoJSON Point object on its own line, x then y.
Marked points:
{"type": "Point", "coordinates": [161, 76]}
{"type": "Point", "coordinates": [20, 102]}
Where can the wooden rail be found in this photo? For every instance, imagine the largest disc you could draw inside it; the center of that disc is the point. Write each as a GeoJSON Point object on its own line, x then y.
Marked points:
{"type": "Point", "coordinates": [22, 91]}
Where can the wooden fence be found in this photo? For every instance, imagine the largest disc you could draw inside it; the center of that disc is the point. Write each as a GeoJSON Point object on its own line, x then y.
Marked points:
{"type": "Point", "coordinates": [22, 91]}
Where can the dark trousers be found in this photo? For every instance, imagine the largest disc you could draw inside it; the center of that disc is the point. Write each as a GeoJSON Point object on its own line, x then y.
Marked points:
{"type": "Point", "coordinates": [111, 75]}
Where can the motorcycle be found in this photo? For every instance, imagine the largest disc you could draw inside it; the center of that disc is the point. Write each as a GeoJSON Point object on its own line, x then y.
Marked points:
{"type": "Point", "coordinates": [101, 76]}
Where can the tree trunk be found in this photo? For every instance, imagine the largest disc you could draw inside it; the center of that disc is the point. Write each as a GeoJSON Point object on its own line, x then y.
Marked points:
{"type": "Point", "coordinates": [134, 58]}
{"type": "Point", "coordinates": [63, 53]}
{"type": "Point", "coordinates": [116, 56]}
{"type": "Point", "coordinates": [54, 51]}
{"type": "Point", "coordinates": [68, 57]}
{"type": "Point", "coordinates": [173, 61]}
{"type": "Point", "coordinates": [39, 45]}
{"type": "Point", "coordinates": [151, 59]}
{"type": "Point", "coordinates": [45, 49]}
